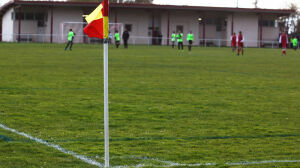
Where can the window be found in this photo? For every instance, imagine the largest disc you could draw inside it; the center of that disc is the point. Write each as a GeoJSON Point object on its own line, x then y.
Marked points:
{"type": "Point", "coordinates": [40, 16]}
{"type": "Point", "coordinates": [209, 21]}
{"type": "Point", "coordinates": [218, 23]}
{"type": "Point", "coordinates": [18, 14]}
{"type": "Point", "coordinates": [179, 28]}
{"type": "Point", "coordinates": [267, 23]}
{"type": "Point", "coordinates": [29, 16]}
{"type": "Point", "coordinates": [128, 27]}
{"type": "Point", "coordinates": [41, 23]}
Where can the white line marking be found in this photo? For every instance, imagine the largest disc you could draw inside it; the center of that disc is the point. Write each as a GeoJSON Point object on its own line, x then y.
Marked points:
{"type": "Point", "coordinates": [263, 162]}
{"type": "Point", "coordinates": [167, 163]}
{"type": "Point", "coordinates": [173, 164]}
{"type": "Point", "coordinates": [57, 147]}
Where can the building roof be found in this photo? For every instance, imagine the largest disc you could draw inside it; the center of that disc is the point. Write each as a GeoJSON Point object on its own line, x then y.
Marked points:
{"type": "Point", "coordinates": [280, 12]}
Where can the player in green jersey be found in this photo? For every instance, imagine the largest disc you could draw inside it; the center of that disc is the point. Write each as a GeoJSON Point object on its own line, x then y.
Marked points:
{"type": "Point", "coordinates": [117, 38]}
{"type": "Point", "coordinates": [295, 43]}
{"type": "Point", "coordinates": [190, 39]}
{"type": "Point", "coordinates": [173, 38]}
{"type": "Point", "coordinates": [179, 40]}
{"type": "Point", "coordinates": [70, 39]}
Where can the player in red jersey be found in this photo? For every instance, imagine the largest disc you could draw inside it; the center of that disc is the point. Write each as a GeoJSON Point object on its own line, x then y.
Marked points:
{"type": "Point", "coordinates": [283, 40]}
{"type": "Point", "coordinates": [240, 40]}
{"type": "Point", "coordinates": [233, 42]}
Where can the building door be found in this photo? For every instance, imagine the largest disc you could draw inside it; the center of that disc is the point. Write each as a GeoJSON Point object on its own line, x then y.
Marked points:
{"type": "Point", "coordinates": [218, 28]}
{"type": "Point", "coordinates": [41, 34]}
{"type": "Point", "coordinates": [154, 29]}
{"type": "Point", "coordinates": [41, 31]}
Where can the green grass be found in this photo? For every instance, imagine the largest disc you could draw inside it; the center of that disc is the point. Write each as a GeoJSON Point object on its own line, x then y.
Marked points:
{"type": "Point", "coordinates": [206, 106]}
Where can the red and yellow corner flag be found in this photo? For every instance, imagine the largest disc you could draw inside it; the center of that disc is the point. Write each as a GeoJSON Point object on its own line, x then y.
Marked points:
{"type": "Point", "coordinates": [98, 22]}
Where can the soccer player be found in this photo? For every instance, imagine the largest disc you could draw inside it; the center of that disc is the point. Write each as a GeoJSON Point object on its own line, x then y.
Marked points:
{"type": "Point", "coordinates": [125, 38]}
{"type": "Point", "coordinates": [179, 40]}
{"type": "Point", "coordinates": [283, 40]}
{"type": "Point", "coordinates": [295, 43]}
{"type": "Point", "coordinates": [190, 39]}
{"type": "Point", "coordinates": [117, 38]}
{"type": "Point", "coordinates": [70, 39]}
{"type": "Point", "coordinates": [240, 40]}
{"type": "Point", "coordinates": [233, 42]}
{"type": "Point", "coordinates": [173, 38]}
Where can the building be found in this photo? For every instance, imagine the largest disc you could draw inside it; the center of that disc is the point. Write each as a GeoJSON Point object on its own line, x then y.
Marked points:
{"type": "Point", "coordinates": [45, 21]}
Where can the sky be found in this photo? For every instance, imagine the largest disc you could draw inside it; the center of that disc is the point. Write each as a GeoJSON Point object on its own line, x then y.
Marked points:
{"type": "Point", "coordinates": [273, 4]}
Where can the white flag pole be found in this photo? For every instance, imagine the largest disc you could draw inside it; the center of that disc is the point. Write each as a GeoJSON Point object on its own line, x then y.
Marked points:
{"type": "Point", "coordinates": [106, 109]}
{"type": "Point", "coordinates": [105, 6]}
{"type": "Point", "coordinates": [105, 70]}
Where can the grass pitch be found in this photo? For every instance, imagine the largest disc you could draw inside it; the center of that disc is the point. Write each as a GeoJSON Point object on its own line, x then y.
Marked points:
{"type": "Point", "coordinates": [209, 106]}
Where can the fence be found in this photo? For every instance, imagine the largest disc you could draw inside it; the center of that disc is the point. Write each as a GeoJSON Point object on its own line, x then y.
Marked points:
{"type": "Point", "coordinates": [134, 40]}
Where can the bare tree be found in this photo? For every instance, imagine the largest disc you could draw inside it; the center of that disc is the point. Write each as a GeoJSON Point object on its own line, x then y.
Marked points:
{"type": "Point", "coordinates": [297, 21]}
{"type": "Point", "coordinates": [298, 26]}
{"type": "Point", "coordinates": [290, 23]}
{"type": "Point", "coordinates": [293, 19]}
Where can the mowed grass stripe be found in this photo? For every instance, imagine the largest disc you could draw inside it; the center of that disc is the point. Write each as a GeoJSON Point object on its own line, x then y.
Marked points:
{"type": "Point", "coordinates": [155, 92]}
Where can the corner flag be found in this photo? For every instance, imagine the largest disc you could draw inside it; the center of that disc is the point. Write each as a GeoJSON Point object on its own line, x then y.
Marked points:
{"type": "Point", "coordinates": [98, 27]}
{"type": "Point", "coordinates": [98, 22]}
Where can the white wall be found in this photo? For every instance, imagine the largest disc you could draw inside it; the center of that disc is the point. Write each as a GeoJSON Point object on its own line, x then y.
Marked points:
{"type": "Point", "coordinates": [29, 26]}
{"type": "Point", "coordinates": [138, 19]}
{"type": "Point", "coordinates": [270, 33]}
{"type": "Point", "coordinates": [164, 27]}
{"type": "Point", "coordinates": [248, 24]}
{"type": "Point", "coordinates": [60, 15]}
{"type": "Point", "coordinates": [210, 31]}
{"type": "Point", "coordinates": [229, 26]}
{"type": "Point", "coordinates": [7, 26]}
{"type": "Point", "coordinates": [188, 19]}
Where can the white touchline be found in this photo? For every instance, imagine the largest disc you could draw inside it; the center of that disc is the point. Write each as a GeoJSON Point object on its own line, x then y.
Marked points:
{"type": "Point", "coordinates": [167, 163]}
{"type": "Point", "coordinates": [263, 162]}
{"type": "Point", "coordinates": [174, 164]}
{"type": "Point", "coordinates": [211, 164]}
{"type": "Point", "coordinates": [57, 147]}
